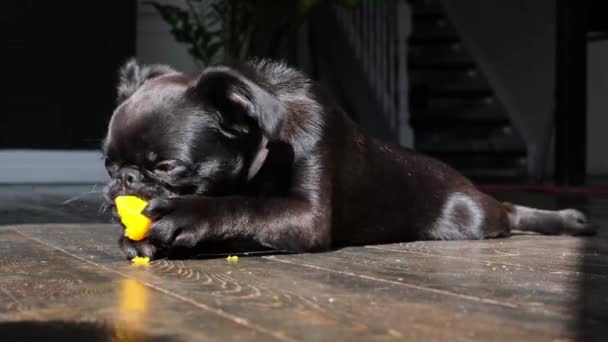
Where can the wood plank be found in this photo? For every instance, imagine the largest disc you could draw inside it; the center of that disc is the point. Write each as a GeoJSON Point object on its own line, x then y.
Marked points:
{"type": "Point", "coordinates": [309, 303]}
{"type": "Point", "coordinates": [554, 295]}
{"type": "Point", "coordinates": [551, 253]}
{"type": "Point", "coordinates": [45, 289]}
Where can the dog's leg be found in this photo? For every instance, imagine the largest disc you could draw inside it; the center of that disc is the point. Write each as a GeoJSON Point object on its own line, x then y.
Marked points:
{"type": "Point", "coordinates": [469, 215]}
{"type": "Point", "coordinates": [474, 215]}
{"type": "Point", "coordinates": [291, 223]}
{"type": "Point", "coordinates": [567, 221]}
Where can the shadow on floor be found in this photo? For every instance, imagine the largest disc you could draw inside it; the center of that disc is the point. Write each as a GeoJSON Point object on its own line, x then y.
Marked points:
{"type": "Point", "coordinates": [592, 299]}
{"type": "Point", "coordinates": [65, 331]}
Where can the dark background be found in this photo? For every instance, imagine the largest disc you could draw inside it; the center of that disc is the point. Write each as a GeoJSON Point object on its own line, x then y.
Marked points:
{"type": "Point", "coordinates": [60, 61]}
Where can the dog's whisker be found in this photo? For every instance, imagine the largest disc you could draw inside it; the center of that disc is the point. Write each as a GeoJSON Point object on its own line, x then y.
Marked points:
{"type": "Point", "coordinates": [79, 196]}
{"type": "Point", "coordinates": [75, 198]}
{"type": "Point", "coordinates": [103, 207]}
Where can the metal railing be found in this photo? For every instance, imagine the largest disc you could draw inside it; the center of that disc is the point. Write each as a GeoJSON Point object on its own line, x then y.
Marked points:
{"type": "Point", "coordinates": [377, 32]}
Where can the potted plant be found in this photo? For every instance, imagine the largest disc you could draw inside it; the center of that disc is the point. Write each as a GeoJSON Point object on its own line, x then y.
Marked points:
{"type": "Point", "coordinates": [217, 30]}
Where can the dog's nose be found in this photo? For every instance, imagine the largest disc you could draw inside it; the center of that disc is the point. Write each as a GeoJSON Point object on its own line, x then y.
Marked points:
{"type": "Point", "coordinates": [129, 176]}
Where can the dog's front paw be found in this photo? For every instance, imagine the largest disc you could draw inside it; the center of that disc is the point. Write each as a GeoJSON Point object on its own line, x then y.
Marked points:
{"type": "Point", "coordinates": [176, 222]}
{"type": "Point", "coordinates": [142, 248]}
{"type": "Point", "coordinates": [576, 223]}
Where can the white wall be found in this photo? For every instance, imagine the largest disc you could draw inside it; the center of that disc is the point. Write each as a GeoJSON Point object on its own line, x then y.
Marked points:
{"type": "Point", "coordinates": [36, 166]}
{"type": "Point", "coordinates": [597, 111]}
{"type": "Point", "coordinates": [155, 44]}
{"type": "Point", "coordinates": [513, 43]}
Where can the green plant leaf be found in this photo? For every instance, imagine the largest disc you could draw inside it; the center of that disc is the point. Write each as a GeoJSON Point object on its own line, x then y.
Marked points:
{"type": "Point", "coordinates": [240, 27]}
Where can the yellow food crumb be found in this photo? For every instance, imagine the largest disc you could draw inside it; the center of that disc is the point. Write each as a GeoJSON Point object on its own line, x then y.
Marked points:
{"type": "Point", "coordinates": [129, 209]}
{"type": "Point", "coordinates": [137, 261]}
{"type": "Point", "coordinates": [232, 259]}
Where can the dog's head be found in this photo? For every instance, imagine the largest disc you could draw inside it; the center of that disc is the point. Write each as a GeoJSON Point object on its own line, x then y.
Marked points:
{"type": "Point", "coordinates": [174, 134]}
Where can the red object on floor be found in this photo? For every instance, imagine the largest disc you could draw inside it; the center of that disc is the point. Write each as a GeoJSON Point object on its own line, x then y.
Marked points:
{"type": "Point", "coordinates": [549, 189]}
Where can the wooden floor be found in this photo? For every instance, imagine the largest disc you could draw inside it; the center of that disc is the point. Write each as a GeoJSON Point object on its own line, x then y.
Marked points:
{"type": "Point", "coordinates": [70, 282]}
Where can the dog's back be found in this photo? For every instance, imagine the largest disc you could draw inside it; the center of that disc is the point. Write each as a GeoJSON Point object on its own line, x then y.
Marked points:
{"type": "Point", "coordinates": [386, 193]}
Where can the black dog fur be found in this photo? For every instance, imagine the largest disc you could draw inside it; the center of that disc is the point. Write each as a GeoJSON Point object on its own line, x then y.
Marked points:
{"type": "Point", "coordinates": [255, 151]}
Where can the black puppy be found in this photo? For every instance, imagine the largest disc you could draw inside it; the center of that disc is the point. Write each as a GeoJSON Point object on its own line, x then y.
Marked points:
{"type": "Point", "coordinates": [256, 152]}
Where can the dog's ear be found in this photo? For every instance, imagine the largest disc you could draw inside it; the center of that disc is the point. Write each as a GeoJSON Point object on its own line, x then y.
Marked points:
{"type": "Point", "coordinates": [232, 93]}
{"type": "Point", "coordinates": [132, 76]}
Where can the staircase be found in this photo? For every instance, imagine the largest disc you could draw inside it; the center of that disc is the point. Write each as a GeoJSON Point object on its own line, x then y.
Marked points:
{"type": "Point", "coordinates": [454, 113]}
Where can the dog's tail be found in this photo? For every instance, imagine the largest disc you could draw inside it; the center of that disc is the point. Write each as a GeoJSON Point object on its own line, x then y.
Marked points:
{"type": "Point", "coordinates": [550, 222]}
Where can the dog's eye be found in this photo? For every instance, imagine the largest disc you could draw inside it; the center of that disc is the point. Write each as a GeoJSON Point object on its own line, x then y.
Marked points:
{"type": "Point", "coordinates": [167, 166]}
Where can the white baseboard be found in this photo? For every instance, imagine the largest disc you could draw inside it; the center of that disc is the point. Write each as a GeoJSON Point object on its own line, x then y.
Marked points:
{"type": "Point", "coordinates": [39, 166]}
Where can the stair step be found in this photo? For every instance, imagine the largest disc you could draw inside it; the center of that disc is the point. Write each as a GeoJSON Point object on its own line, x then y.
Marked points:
{"type": "Point", "coordinates": [451, 54]}
{"type": "Point", "coordinates": [461, 94]}
{"type": "Point", "coordinates": [439, 67]}
{"type": "Point", "coordinates": [495, 174]}
{"type": "Point", "coordinates": [468, 79]}
{"type": "Point", "coordinates": [454, 113]}
{"type": "Point", "coordinates": [423, 99]}
{"type": "Point", "coordinates": [447, 88]}
{"type": "Point", "coordinates": [465, 139]}
{"type": "Point", "coordinates": [451, 115]}
{"type": "Point", "coordinates": [458, 119]}
{"type": "Point", "coordinates": [430, 40]}
{"type": "Point", "coordinates": [432, 29]}
{"type": "Point", "coordinates": [467, 130]}
{"type": "Point", "coordinates": [447, 104]}
{"type": "Point", "coordinates": [429, 16]}
{"type": "Point", "coordinates": [433, 26]}
{"type": "Point", "coordinates": [482, 161]}
{"type": "Point", "coordinates": [426, 7]}
{"type": "Point", "coordinates": [469, 147]}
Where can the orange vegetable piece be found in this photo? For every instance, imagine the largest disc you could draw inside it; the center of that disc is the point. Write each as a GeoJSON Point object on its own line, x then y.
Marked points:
{"type": "Point", "coordinates": [232, 259]}
{"type": "Point", "coordinates": [140, 261]}
{"type": "Point", "coordinates": [129, 209]}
